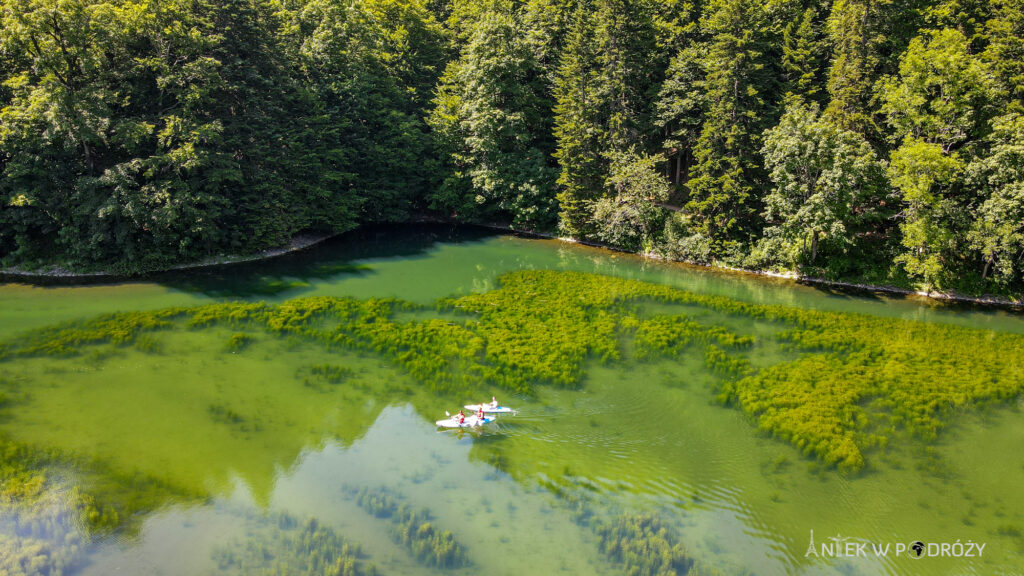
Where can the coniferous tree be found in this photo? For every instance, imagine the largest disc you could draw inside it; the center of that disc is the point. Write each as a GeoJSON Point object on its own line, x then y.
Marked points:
{"type": "Point", "coordinates": [728, 175]}
{"type": "Point", "coordinates": [802, 50]}
{"type": "Point", "coordinates": [579, 128]}
{"type": "Point", "coordinates": [1005, 52]}
{"type": "Point", "coordinates": [492, 117]}
{"type": "Point", "coordinates": [867, 37]}
{"type": "Point", "coordinates": [680, 108]}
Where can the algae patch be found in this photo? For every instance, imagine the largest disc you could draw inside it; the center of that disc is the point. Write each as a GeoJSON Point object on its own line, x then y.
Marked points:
{"type": "Point", "coordinates": [413, 529]}
{"type": "Point", "coordinates": [284, 545]}
{"type": "Point", "coordinates": [855, 381]}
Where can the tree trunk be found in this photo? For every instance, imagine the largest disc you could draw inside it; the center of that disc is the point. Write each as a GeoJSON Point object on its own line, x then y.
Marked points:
{"type": "Point", "coordinates": [814, 246]}
{"type": "Point", "coordinates": [988, 265]}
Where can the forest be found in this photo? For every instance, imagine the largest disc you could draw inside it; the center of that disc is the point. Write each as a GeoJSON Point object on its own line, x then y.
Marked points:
{"type": "Point", "coordinates": [880, 141]}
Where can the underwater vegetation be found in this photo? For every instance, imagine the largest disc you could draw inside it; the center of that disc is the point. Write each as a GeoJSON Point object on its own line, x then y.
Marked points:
{"type": "Point", "coordinates": [68, 338]}
{"type": "Point", "coordinates": [224, 414]}
{"type": "Point", "coordinates": [237, 341]}
{"type": "Point", "coordinates": [643, 546]}
{"type": "Point", "coordinates": [38, 536]}
{"type": "Point", "coordinates": [640, 544]}
{"type": "Point", "coordinates": [46, 524]}
{"type": "Point", "coordinates": [855, 382]}
{"type": "Point", "coordinates": [412, 528]}
{"type": "Point", "coordinates": [670, 335]}
{"type": "Point", "coordinates": [324, 376]}
{"type": "Point", "coordinates": [284, 546]}
{"type": "Point", "coordinates": [330, 373]}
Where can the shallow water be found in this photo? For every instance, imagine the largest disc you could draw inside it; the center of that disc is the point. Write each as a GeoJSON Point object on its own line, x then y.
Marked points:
{"type": "Point", "coordinates": [233, 437]}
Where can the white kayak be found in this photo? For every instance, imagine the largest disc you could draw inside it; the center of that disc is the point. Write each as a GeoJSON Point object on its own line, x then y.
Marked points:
{"type": "Point", "coordinates": [489, 410]}
{"type": "Point", "coordinates": [470, 422]}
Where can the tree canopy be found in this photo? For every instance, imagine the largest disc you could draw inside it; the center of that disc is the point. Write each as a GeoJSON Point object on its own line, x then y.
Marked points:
{"type": "Point", "coordinates": [867, 140]}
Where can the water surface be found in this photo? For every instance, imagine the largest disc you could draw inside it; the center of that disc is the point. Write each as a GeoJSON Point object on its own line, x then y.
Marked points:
{"type": "Point", "coordinates": [219, 442]}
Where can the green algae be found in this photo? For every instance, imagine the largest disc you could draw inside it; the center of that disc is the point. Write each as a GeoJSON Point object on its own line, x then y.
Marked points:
{"type": "Point", "coordinates": [236, 342]}
{"type": "Point", "coordinates": [637, 543]}
{"type": "Point", "coordinates": [284, 545]}
{"type": "Point", "coordinates": [197, 418]}
{"type": "Point", "coordinates": [643, 546]}
{"type": "Point", "coordinates": [413, 529]}
{"type": "Point", "coordinates": [856, 380]}
{"type": "Point", "coordinates": [56, 505]}
{"type": "Point", "coordinates": [69, 338]}
{"type": "Point", "coordinates": [323, 377]}
{"type": "Point", "coordinates": [671, 335]}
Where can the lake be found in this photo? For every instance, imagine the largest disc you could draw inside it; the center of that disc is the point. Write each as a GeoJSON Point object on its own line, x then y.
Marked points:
{"type": "Point", "coordinates": [278, 417]}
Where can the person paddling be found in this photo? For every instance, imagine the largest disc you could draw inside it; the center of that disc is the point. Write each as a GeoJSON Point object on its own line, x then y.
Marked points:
{"type": "Point", "coordinates": [480, 413]}
{"type": "Point", "coordinates": [460, 417]}
{"type": "Point", "coordinates": [494, 402]}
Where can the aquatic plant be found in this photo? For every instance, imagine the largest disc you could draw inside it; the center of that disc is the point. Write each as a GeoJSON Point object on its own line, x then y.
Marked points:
{"type": "Point", "coordinates": [670, 335]}
{"type": "Point", "coordinates": [286, 546]}
{"type": "Point", "coordinates": [643, 546]}
{"type": "Point", "coordinates": [224, 415]}
{"type": "Point", "coordinates": [854, 382]}
{"type": "Point", "coordinates": [68, 338]}
{"type": "Point", "coordinates": [237, 341]}
{"type": "Point", "coordinates": [53, 519]}
{"type": "Point", "coordinates": [718, 359]}
{"type": "Point", "coordinates": [331, 373]}
{"type": "Point", "coordinates": [413, 529]}
{"type": "Point", "coordinates": [323, 377]}
{"type": "Point", "coordinates": [147, 343]}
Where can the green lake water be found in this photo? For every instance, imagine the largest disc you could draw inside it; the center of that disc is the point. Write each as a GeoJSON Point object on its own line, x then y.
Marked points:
{"type": "Point", "coordinates": [222, 454]}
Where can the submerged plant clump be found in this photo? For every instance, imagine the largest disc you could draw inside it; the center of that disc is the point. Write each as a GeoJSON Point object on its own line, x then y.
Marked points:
{"type": "Point", "coordinates": [331, 373]}
{"type": "Point", "coordinates": [47, 523]}
{"type": "Point", "coordinates": [68, 338]}
{"type": "Point", "coordinates": [323, 377]}
{"type": "Point", "coordinates": [238, 341]}
{"type": "Point", "coordinates": [38, 536]}
{"type": "Point", "coordinates": [287, 547]}
{"type": "Point", "coordinates": [856, 380]}
{"type": "Point", "coordinates": [671, 335]}
{"type": "Point", "coordinates": [412, 528]}
{"type": "Point", "coordinates": [643, 546]}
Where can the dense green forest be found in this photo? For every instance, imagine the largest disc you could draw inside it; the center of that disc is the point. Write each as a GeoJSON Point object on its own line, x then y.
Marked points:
{"type": "Point", "coordinates": [874, 140]}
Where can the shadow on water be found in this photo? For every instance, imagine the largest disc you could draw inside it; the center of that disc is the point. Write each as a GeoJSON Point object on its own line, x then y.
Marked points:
{"type": "Point", "coordinates": [294, 271]}
{"type": "Point", "coordinates": [865, 293]}
{"type": "Point", "coordinates": [851, 292]}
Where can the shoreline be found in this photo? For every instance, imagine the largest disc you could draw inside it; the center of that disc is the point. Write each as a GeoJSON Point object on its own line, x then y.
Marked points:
{"type": "Point", "coordinates": [995, 301]}
{"type": "Point", "coordinates": [298, 243]}
{"type": "Point", "coordinates": [303, 241]}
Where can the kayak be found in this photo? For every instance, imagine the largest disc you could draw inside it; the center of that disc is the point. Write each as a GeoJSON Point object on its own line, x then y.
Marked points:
{"type": "Point", "coordinates": [489, 410]}
{"type": "Point", "coordinates": [470, 422]}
